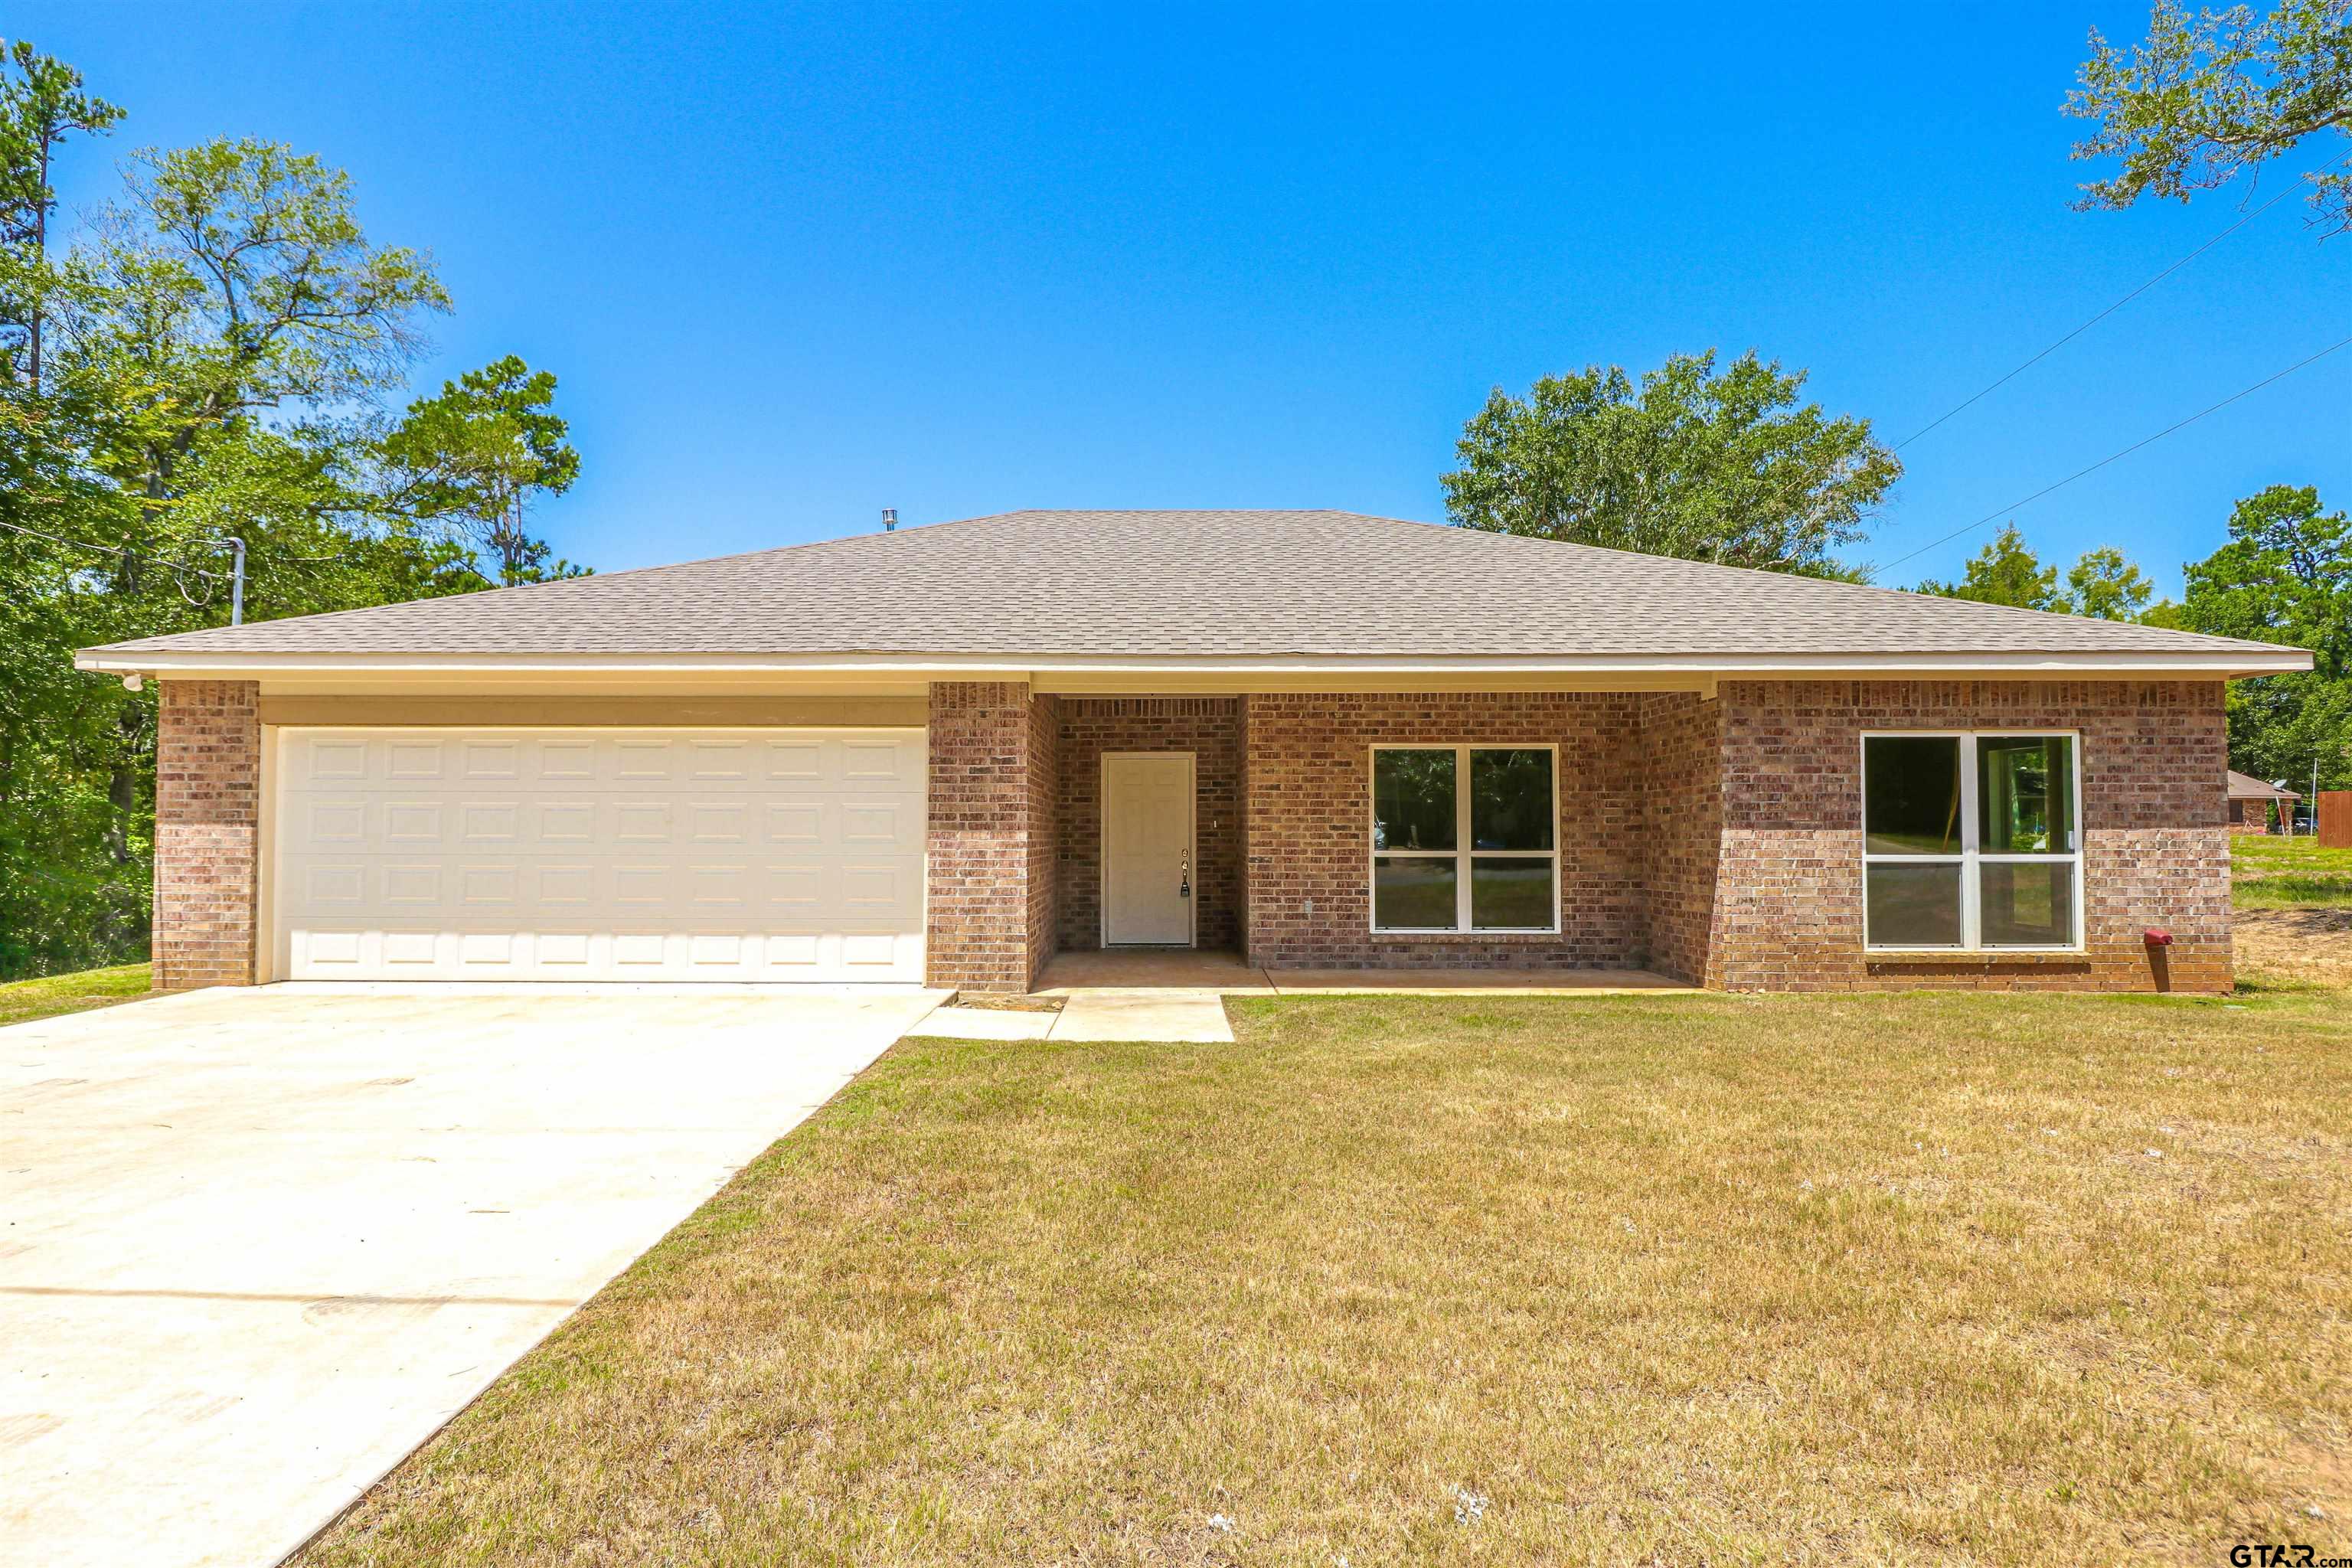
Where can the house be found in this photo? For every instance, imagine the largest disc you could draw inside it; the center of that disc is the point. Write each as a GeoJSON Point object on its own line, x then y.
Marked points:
{"type": "Point", "coordinates": [2251, 800]}
{"type": "Point", "coordinates": [1323, 738]}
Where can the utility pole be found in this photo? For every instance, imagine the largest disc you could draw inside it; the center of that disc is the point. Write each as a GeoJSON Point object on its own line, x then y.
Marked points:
{"type": "Point", "coordinates": [236, 583]}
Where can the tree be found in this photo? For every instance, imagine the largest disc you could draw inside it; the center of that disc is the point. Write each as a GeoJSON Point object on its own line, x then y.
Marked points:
{"type": "Point", "coordinates": [2105, 586]}
{"type": "Point", "coordinates": [474, 457]}
{"type": "Point", "coordinates": [2005, 572]}
{"type": "Point", "coordinates": [217, 350]}
{"type": "Point", "coordinates": [2210, 96]}
{"type": "Point", "coordinates": [1728, 467]}
{"type": "Point", "coordinates": [41, 104]}
{"type": "Point", "coordinates": [2284, 576]}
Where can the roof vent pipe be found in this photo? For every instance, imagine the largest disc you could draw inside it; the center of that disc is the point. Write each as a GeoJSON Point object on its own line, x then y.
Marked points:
{"type": "Point", "coordinates": [889, 519]}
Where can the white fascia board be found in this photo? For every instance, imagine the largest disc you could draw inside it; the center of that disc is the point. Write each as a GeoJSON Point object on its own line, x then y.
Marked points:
{"type": "Point", "coordinates": [2216, 664]}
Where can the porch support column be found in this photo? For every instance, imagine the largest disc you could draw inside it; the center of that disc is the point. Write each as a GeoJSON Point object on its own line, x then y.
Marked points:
{"type": "Point", "coordinates": [989, 872]}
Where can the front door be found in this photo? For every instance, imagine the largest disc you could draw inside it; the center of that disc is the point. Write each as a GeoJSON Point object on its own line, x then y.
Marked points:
{"type": "Point", "coordinates": [1147, 861]}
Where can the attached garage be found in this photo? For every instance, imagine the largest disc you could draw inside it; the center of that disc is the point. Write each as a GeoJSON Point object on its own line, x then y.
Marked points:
{"type": "Point", "coordinates": [548, 854]}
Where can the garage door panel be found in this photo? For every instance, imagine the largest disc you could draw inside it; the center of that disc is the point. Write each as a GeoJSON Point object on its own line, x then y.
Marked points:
{"type": "Point", "coordinates": [625, 855]}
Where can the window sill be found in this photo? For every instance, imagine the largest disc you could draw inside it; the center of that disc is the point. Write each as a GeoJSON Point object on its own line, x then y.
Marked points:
{"type": "Point", "coordinates": [1982, 957]}
{"type": "Point", "coordinates": [1465, 936]}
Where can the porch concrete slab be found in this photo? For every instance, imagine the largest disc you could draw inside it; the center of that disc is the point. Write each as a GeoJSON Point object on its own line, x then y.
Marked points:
{"type": "Point", "coordinates": [1466, 982]}
{"type": "Point", "coordinates": [1178, 970]}
{"type": "Point", "coordinates": [1196, 1016]}
{"type": "Point", "coordinates": [256, 1245]}
{"type": "Point", "coordinates": [987, 1023]}
{"type": "Point", "coordinates": [1152, 969]}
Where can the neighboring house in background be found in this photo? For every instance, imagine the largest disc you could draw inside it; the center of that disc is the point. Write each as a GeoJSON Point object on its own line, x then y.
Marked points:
{"type": "Point", "coordinates": [2251, 801]}
{"type": "Point", "coordinates": [1324, 739]}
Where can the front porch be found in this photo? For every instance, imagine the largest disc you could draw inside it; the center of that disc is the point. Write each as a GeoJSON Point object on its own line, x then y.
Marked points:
{"type": "Point", "coordinates": [1534, 841]}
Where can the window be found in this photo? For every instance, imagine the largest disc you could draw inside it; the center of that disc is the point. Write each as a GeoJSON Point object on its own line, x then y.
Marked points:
{"type": "Point", "coordinates": [1464, 839]}
{"type": "Point", "coordinates": [1972, 841]}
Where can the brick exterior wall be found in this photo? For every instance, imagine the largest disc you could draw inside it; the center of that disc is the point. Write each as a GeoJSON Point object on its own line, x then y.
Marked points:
{"type": "Point", "coordinates": [1045, 806]}
{"type": "Point", "coordinates": [207, 833]}
{"type": "Point", "coordinates": [1768, 774]}
{"type": "Point", "coordinates": [1308, 812]}
{"type": "Point", "coordinates": [1682, 751]}
{"type": "Point", "coordinates": [989, 867]}
{"type": "Point", "coordinates": [1208, 727]}
{"type": "Point", "coordinates": [2156, 852]}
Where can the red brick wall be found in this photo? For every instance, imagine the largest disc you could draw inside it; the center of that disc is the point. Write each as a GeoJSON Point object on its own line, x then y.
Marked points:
{"type": "Point", "coordinates": [1308, 812]}
{"type": "Point", "coordinates": [1682, 754]}
{"type": "Point", "coordinates": [2155, 853]}
{"type": "Point", "coordinates": [207, 826]}
{"type": "Point", "coordinates": [1043, 835]}
{"type": "Point", "coordinates": [1210, 728]}
{"type": "Point", "coordinates": [979, 909]}
{"type": "Point", "coordinates": [1240, 827]}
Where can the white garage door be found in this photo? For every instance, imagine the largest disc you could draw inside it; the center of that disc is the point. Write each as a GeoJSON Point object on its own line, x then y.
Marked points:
{"type": "Point", "coordinates": [722, 854]}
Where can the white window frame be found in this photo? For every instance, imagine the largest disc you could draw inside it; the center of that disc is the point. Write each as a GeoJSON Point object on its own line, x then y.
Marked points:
{"type": "Point", "coordinates": [1970, 859]}
{"type": "Point", "coordinates": [1463, 852]}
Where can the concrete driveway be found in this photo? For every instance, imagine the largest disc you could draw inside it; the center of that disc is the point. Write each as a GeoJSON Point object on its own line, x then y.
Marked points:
{"type": "Point", "coordinates": [256, 1245]}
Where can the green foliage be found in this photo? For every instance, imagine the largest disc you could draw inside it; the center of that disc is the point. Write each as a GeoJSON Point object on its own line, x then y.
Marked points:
{"type": "Point", "coordinates": [1724, 466]}
{"type": "Point", "coordinates": [2102, 584]}
{"type": "Point", "coordinates": [41, 104]}
{"type": "Point", "coordinates": [2211, 95]}
{"type": "Point", "coordinates": [2105, 586]}
{"type": "Point", "coordinates": [473, 457]}
{"type": "Point", "coordinates": [2284, 576]}
{"type": "Point", "coordinates": [210, 356]}
{"type": "Point", "coordinates": [2005, 572]}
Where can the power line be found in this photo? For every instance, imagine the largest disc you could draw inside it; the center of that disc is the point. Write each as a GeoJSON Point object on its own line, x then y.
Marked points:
{"type": "Point", "coordinates": [53, 539]}
{"type": "Point", "coordinates": [2127, 452]}
{"type": "Point", "coordinates": [101, 548]}
{"type": "Point", "coordinates": [2094, 321]}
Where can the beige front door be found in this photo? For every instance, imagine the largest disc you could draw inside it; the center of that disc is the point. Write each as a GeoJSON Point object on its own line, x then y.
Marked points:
{"type": "Point", "coordinates": [1147, 880]}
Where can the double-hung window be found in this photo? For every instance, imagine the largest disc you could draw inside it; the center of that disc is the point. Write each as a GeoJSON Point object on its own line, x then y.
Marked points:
{"type": "Point", "coordinates": [1465, 838]}
{"type": "Point", "coordinates": [1972, 840]}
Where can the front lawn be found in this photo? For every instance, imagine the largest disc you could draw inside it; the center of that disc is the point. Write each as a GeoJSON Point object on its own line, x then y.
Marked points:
{"type": "Point", "coordinates": [22, 1001]}
{"type": "Point", "coordinates": [1675, 1280]}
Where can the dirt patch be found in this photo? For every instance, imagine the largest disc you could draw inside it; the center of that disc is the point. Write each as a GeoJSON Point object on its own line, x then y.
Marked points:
{"type": "Point", "coordinates": [2314, 945]}
{"type": "Point", "coordinates": [1002, 1002]}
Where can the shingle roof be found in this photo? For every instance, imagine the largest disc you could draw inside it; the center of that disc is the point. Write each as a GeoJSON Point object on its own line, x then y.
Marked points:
{"type": "Point", "coordinates": [1147, 584]}
{"type": "Point", "coordinates": [2245, 786]}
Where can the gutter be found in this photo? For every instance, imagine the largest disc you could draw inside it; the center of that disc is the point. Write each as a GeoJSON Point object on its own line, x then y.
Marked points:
{"type": "Point", "coordinates": [2223, 663]}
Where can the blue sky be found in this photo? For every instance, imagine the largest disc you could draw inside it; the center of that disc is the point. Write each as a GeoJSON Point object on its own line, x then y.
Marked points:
{"type": "Point", "coordinates": [797, 263]}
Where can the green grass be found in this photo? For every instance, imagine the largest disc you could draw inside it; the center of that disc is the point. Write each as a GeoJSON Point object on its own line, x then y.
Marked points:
{"type": "Point", "coordinates": [1951, 1278]}
{"type": "Point", "coordinates": [2284, 892]}
{"type": "Point", "coordinates": [2263, 855]}
{"type": "Point", "coordinates": [22, 1001]}
{"type": "Point", "coordinates": [2274, 873]}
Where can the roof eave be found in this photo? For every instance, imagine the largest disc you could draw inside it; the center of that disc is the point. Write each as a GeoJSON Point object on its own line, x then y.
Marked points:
{"type": "Point", "coordinates": [2223, 662]}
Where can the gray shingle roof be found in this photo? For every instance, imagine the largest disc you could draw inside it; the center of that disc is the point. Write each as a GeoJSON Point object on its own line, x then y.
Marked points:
{"type": "Point", "coordinates": [1152, 584]}
{"type": "Point", "coordinates": [2245, 786]}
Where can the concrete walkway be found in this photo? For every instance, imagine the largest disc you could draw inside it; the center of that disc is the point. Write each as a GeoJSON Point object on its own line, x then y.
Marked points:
{"type": "Point", "coordinates": [1194, 1016]}
{"type": "Point", "coordinates": [1172, 1016]}
{"type": "Point", "coordinates": [256, 1245]}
